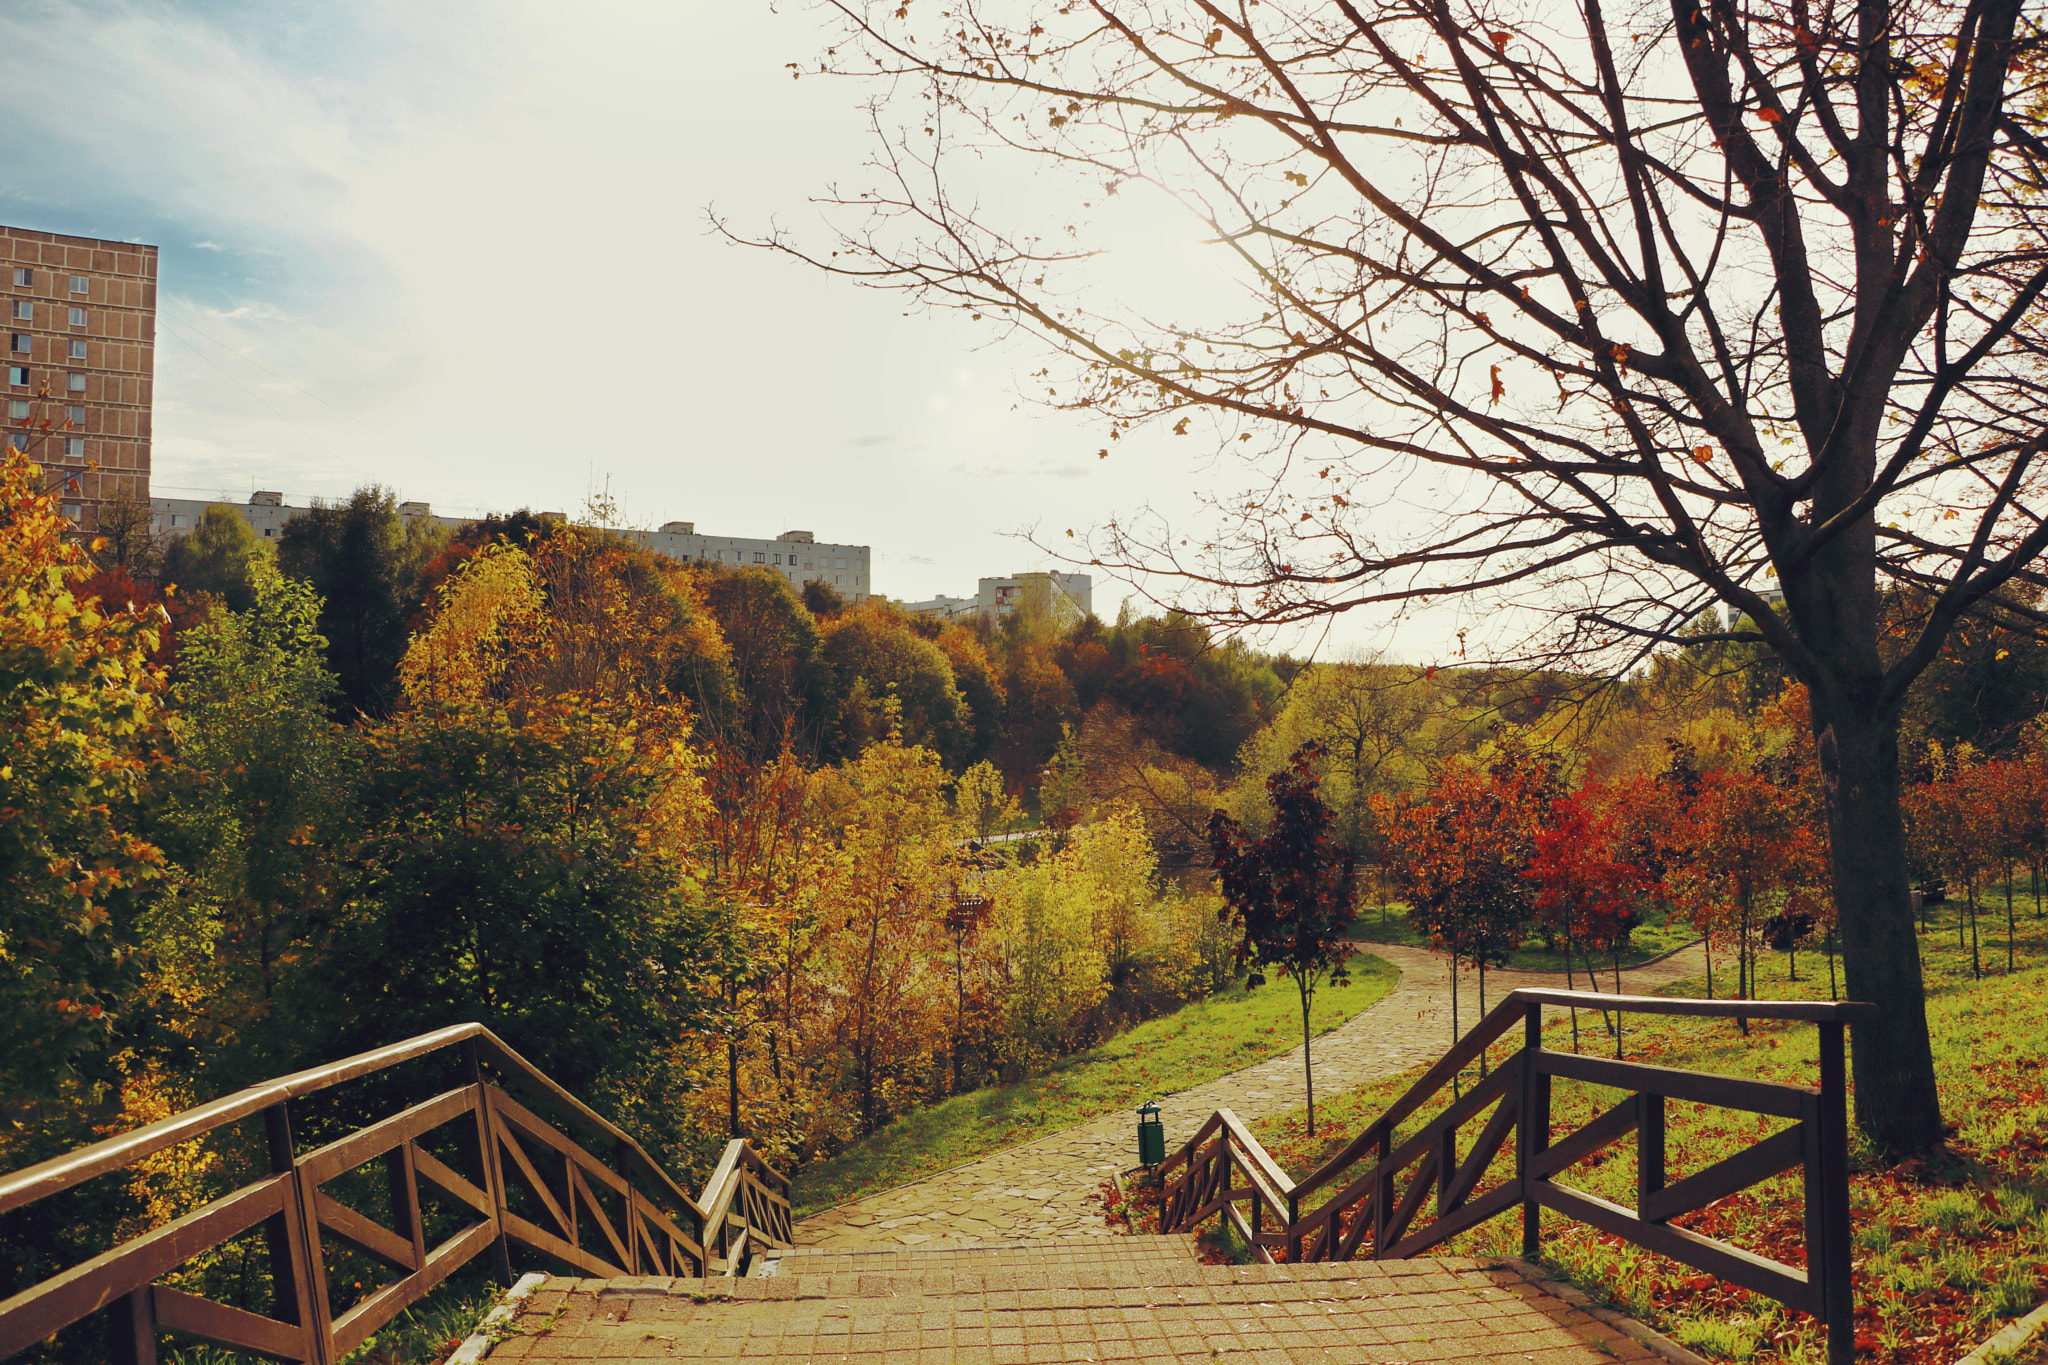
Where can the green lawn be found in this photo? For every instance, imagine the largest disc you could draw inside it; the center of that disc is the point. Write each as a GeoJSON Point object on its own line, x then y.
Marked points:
{"type": "Point", "coordinates": [1199, 1042]}
{"type": "Point", "coordinates": [1389, 924]}
{"type": "Point", "coordinates": [1948, 1250]}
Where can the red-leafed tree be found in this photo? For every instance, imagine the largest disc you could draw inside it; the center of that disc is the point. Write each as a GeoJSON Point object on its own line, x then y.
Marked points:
{"type": "Point", "coordinates": [1460, 851]}
{"type": "Point", "coordinates": [1589, 889]}
{"type": "Point", "coordinates": [1753, 853]}
{"type": "Point", "coordinates": [1286, 890]}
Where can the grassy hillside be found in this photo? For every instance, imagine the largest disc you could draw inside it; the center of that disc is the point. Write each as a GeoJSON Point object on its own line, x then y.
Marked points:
{"type": "Point", "coordinates": [1230, 1030]}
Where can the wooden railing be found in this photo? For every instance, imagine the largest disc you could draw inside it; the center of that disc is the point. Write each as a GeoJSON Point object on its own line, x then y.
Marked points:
{"type": "Point", "coordinates": [1375, 1190]}
{"type": "Point", "coordinates": [524, 1186]}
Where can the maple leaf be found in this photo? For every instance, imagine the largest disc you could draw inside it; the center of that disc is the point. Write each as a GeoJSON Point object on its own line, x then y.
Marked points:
{"type": "Point", "coordinates": [1499, 389]}
{"type": "Point", "coordinates": [1769, 115]}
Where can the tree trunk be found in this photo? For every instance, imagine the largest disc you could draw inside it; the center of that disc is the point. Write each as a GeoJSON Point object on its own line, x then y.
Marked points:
{"type": "Point", "coordinates": [2010, 922]}
{"type": "Point", "coordinates": [1897, 1105]}
{"type": "Point", "coordinates": [1570, 986]}
{"type": "Point", "coordinates": [1482, 1013]}
{"type": "Point", "coordinates": [1620, 1019]}
{"type": "Point", "coordinates": [1308, 1072]}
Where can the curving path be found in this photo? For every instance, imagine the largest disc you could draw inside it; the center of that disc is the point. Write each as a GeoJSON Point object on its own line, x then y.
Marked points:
{"type": "Point", "coordinates": [1050, 1187]}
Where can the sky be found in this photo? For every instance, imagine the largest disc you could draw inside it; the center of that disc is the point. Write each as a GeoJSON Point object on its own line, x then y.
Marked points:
{"type": "Point", "coordinates": [462, 250]}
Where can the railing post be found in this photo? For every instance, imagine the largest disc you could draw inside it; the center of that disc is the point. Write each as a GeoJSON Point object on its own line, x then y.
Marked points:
{"type": "Point", "coordinates": [623, 1154]}
{"type": "Point", "coordinates": [1293, 1228]}
{"type": "Point", "coordinates": [490, 1174]}
{"type": "Point", "coordinates": [1532, 1133]}
{"type": "Point", "coordinates": [1446, 1168]}
{"type": "Point", "coordinates": [1832, 1249]}
{"type": "Point", "coordinates": [298, 1279]}
{"type": "Point", "coordinates": [1649, 1148]}
{"type": "Point", "coordinates": [1383, 1193]}
{"type": "Point", "coordinates": [131, 1329]}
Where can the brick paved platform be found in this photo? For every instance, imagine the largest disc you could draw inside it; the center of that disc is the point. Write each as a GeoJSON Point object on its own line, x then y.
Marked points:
{"type": "Point", "coordinates": [1051, 1303]}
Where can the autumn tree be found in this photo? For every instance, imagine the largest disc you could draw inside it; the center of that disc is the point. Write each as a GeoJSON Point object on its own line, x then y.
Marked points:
{"type": "Point", "coordinates": [83, 734]}
{"type": "Point", "coordinates": [1632, 313]}
{"type": "Point", "coordinates": [1751, 854]}
{"type": "Point", "coordinates": [1590, 888]}
{"type": "Point", "coordinates": [1461, 849]}
{"type": "Point", "coordinates": [525, 857]}
{"type": "Point", "coordinates": [1286, 890]}
{"type": "Point", "coordinates": [983, 802]}
{"type": "Point", "coordinates": [887, 893]}
{"type": "Point", "coordinates": [778, 669]}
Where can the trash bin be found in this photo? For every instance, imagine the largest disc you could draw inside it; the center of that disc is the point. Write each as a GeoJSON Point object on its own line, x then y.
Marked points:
{"type": "Point", "coordinates": [1151, 1136]}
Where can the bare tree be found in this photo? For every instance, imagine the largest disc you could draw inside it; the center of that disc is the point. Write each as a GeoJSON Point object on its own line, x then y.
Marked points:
{"type": "Point", "coordinates": [1603, 315]}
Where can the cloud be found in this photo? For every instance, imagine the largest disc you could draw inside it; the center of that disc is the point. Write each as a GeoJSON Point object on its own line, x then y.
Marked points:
{"type": "Point", "coordinates": [868, 442]}
{"type": "Point", "coordinates": [208, 246]}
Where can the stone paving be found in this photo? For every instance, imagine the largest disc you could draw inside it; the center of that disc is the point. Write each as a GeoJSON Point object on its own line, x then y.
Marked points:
{"type": "Point", "coordinates": [1130, 1299]}
{"type": "Point", "coordinates": [1050, 1188]}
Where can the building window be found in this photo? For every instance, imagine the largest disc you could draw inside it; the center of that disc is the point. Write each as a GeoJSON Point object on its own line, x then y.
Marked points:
{"type": "Point", "coordinates": [78, 317]}
{"type": "Point", "coordinates": [74, 448]}
{"type": "Point", "coordinates": [760, 558]}
{"type": "Point", "coordinates": [24, 278]}
{"type": "Point", "coordinates": [74, 382]}
{"type": "Point", "coordinates": [24, 311]}
{"type": "Point", "coordinates": [18, 410]}
{"type": "Point", "coordinates": [177, 518]}
{"type": "Point", "coordinates": [74, 415]}
{"type": "Point", "coordinates": [72, 512]}
{"type": "Point", "coordinates": [18, 375]}
{"type": "Point", "coordinates": [19, 345]}
{"type": "Point", "coordinates": [19, 440]}
{"type": "Point", "coordinates": [80, 285]}
{"type": "Point", "coordinates": [78, 348]}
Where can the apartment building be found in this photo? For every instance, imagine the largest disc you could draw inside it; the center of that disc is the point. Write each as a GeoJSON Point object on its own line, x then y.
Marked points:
{"type": "Point", "coordinates": [1062, 598]}
{"type": "Point", "coordinates": [796, 555]}
{"type": "Point", "coordinates": [81, 362]}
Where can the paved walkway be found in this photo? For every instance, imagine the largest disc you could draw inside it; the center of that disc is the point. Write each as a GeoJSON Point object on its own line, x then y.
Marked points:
{"type": "Point", "coordinates": [1050, 1188]}
{"type": "Point", "coordinates": [1128, 1299]}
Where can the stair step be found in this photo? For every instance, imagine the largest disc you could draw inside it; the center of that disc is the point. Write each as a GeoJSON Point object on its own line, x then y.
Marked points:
{"type": "Point", "coordinates": [1074, 1304]}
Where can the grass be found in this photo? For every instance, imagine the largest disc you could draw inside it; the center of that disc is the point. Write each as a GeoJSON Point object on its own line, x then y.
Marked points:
{"type": "Point", "coordinates": [1228, 1031]}
{"type": "Point", "coordinates": [1948, 1248]}
{"type": "Point", "coordinates": [1648, 941]}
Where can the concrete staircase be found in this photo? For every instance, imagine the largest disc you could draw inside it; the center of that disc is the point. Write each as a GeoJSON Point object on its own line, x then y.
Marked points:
{"type": "Point", "coordinates": [1050, 1302]}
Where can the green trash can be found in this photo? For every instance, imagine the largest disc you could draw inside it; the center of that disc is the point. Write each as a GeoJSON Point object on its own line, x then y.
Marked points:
{"type": "Point", "coordinates": [1151, 1136]}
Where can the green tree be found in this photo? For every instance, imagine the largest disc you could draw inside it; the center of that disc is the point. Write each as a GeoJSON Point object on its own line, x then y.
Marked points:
{"type": "Point", "coordinates": [782, 682]}
{"type": "Point", "coordinates": [366, 565]}
{"type": "Point", "coordinates": [518, 866]}
{"type": "Point", "coordinates": [217, 556]}
{"type": "Point", "coordinates": [253, 815]}
{"type": "Point", "coordinates": [875, 656]}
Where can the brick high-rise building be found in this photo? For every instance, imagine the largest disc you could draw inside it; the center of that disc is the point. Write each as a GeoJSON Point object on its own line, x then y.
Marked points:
{"type": "Point", "coordinates": [81, 361]}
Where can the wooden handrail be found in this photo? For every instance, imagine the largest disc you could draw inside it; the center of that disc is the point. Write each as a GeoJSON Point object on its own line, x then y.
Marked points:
{"type": "Point", "coordinates": [1371, 1215]}
{"type": "Point", "coordinates": [59, 1173]}
{"type": "Point", "coordinates": [635, 1234]}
